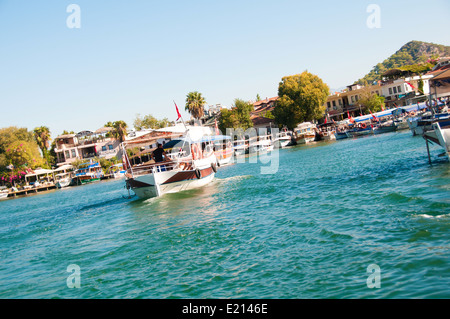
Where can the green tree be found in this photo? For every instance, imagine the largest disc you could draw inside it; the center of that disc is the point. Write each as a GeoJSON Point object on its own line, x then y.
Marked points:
{"type": "Point", "coordinates": [11, 134]}
{"type": "Point", "coordinates": [258, 98]}
{"type": "Point", "coordinates": [242, 110]}
{"type": "Point", "coordinates": [302, 98]}
{"type": "Point", "coordinates": [119, 131]}
{"type": "Point", "coordinates": [370, 101]}
{"type": "Point", "coordinates": [227, 119]}
{"type": "Point", "coordinates": [149, 122]}
{"type": "Point", "coordinates": [195, 104]}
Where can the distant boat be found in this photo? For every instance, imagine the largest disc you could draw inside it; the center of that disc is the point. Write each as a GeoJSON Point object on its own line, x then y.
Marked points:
{"type": "Point", "coordinates": [283, 139]}
{"type": "Point", "coordinates": [117, 170]}
{"type": "Point", "coordinates": [385, 127]}
{"type": "Point", "coordinates": [327, 131]}
{"type": "Point", "coordinates": [4, 193]}
{"type": "Point", "coordinates": [240, 147]}
{"type": "Point", "coordinates": [88, 172]}
{"type": "Point", "coordinates": [304, 133]}
{"type": "Point", "coordinates": [259, 144]}
{"type": "Point", "coordinates": [64, 178]}
{"type": "Point", "coordinates": [360, 130]}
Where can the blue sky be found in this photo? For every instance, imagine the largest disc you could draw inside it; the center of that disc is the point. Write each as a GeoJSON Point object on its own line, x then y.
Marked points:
{"type": "Point", "coordinates": [133, 57]}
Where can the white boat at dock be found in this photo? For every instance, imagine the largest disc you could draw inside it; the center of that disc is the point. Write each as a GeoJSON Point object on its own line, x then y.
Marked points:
{"type": "Point", "coordinates": [259, 144]}
{"type": "Point", "coordinates": [64, 176]}
{"type": "Point", "coordinates": [190, 163]}
{"type": "Point", "coordinates": [304, 133]}
{"type": "Point", "coordinates": [117, 171]}
{"type": "Point", "coordinates": [240, 147]}
{"type": "Point", "coordinates": [4, 192]}
{"type": "Point", "coordinates": [283, 139]}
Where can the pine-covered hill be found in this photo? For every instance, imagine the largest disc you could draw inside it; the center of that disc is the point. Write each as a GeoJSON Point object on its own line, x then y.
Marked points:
{"type": "Point", "coordinates": [412, 53]}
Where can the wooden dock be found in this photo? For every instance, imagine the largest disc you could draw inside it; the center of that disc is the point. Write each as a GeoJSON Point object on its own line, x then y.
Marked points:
{"type": "Point", "coordinates": [34, 190]}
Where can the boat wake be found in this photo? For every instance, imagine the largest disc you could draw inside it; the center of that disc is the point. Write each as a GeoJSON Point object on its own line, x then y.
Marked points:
{"type": "Point", "coordinates": [432, 216]}
{"type": "Point", "coordinates": [233, 178]}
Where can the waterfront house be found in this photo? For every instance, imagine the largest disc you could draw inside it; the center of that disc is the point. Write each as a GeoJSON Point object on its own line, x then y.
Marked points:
{"type": "Point", "coordinates": [86, 145]}
{"type": "Point", "coordinates": [261, 115]}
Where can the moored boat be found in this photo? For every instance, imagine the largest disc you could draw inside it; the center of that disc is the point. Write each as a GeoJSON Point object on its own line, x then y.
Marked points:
{"type": "Point", "coordinates": [240, 147]}
{"type": "Point", "coordinates": [386, 127]}
{"type": "Point", "coordinates": [87, 172]}
{"type": "Point", "coordinates": [283, 139]}
{"type": "Point", "coordinates": [117, 170]}
{"type": "Point", "coordinates": [304, 133]}
{"type": "Point", "coordinates": [360, 129]}
{"type": "Point", "coordinates": [4, 193]}
{"type": "Point", "coordinates": [259, 144]}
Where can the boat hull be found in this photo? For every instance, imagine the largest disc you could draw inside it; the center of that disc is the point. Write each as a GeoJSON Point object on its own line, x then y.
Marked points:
{"type": "Point", "coordinates": [304, 139]}
{"type": "Point", "coordinates": [340, 135]}
{"type": "Point", "coordinates": [384, 129]}
{"type": "Point", "coordinates": [157, 184]}
{"type": "Point", "coordinates": [63, 183]}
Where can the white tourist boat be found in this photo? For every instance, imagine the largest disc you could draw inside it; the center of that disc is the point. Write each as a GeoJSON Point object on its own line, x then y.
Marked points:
{"type": "Point", "coordinates": [304, 133]}
{"type": "Point", "coordinates": [63, 180]}
{"type": "Point", "coordinates": [283, 139]}
{"type": "Point", "coordinates": [259, 144]}
{"type": "Point", "coordinates": [4, 193]}
{"type": "Point", "coordinates": [240, 147]}
{"type": "Point", "coordinates": [64, 176]}
{"type": "Point", "coordinates": [190, 163]}
{"type": "Point", "coordinates": [117, 170]}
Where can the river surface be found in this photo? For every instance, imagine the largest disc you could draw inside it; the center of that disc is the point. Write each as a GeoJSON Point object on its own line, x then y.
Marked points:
{"type": "Point", "coordinates": [356, 218]}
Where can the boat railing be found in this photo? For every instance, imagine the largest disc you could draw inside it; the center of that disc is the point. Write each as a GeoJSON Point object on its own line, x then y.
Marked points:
{"type": "Point", "coordinates": [144, 169]}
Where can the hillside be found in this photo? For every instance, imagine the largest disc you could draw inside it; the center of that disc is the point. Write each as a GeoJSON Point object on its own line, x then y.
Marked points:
{"type": "Point", "coordinates": [413, 52]}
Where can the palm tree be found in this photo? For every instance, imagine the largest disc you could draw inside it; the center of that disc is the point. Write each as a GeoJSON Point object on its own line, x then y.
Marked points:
{"type": "Point", "coordinates": [195, 104]}
{"type": "Point", "coordinates": [119, 129]}
{"type": "Point", "coordinates": [42, 137]}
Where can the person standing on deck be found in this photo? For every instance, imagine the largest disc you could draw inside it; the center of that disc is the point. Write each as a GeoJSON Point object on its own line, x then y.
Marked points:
{"type": "Point", "coordinates": [158, 154]}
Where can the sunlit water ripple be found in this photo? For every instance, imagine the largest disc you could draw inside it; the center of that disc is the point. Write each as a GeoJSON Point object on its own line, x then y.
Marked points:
{"type": "Point", "coordinates": [308, 231]}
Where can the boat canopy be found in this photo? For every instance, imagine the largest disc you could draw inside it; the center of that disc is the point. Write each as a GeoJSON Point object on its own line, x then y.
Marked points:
{"type": "Point", "coordinates": [214, 138]}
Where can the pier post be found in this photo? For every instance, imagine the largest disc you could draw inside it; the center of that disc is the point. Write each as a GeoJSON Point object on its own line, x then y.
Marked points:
{"type": "Point", "coordinates": [428, 151]}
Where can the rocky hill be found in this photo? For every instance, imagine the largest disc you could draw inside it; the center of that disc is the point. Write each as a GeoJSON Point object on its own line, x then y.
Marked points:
{"type": "Point", "coordinates": [413, 52]}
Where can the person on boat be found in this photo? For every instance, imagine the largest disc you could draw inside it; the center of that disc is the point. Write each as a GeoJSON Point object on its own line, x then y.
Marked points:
{"type": "Point", "coordinates": [159, 155]}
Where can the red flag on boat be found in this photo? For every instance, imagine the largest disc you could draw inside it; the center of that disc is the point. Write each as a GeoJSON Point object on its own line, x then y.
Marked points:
{"type": "Point", "coordinates": [178, 112]}
{"type": "Point", "coordinates": [375, 118]}
{"type": "Point", "coordinates": [325, 121]}
{"type": "Point", "coordinates": [217, 128]}
{"type": "Point", "coordinates": [350, 118]}
{"type": "Point", "coordinates": [412, 86]}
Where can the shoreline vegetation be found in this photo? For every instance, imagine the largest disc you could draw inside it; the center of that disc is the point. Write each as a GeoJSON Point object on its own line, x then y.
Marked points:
{"type": "Point", "coordinates": [301, 98]}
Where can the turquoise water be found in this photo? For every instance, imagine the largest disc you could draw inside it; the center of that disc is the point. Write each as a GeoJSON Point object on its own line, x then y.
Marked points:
{"type": "Point", "coordinates": [308, 231]}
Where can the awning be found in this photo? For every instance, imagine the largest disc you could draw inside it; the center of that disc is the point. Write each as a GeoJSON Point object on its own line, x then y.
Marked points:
{"type": "Point", "coordinates": [63, 168]}
{"type": "Point", "coordinates": [40, 172]}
